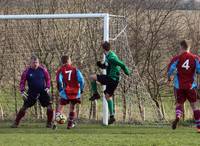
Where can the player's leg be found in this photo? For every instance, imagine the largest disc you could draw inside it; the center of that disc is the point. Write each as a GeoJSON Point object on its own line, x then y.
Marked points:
{"type": "Point", "coordinates": [60, 107]}
{"type": "Point", "coordinates": [198, 95]}
{"type": "Point", "coordinates": [196, 113]}
{"type": "Point", "coordinates": [19, 116]}
{"type": "Point", "coordinates": [179, 112]}
{"type": "Point", "coordinates": [45, 101]}
{"type": "Point", "coordinates": [62, 101]}
{"type": "Point", "coordinates": [192, 97]}
{"type": "Point", "coordinates": [180, 99]}
{"type": "Point", "coordinates": [95, 95]}
{"type": "Point", "coordinates": [70, 123]}
{"type": "Point", "coordinates": [111, 86]}
{"type": "Point", "coordinates": [29, 102]}
{"type": "Point", "coordinates": [183, 111]}
{"type": "Point", "coordinates": [49, 116]}
{"type": "Point", "coordinates": [110, 108]}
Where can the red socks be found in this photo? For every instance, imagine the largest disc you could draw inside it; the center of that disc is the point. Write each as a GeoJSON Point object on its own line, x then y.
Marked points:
{"type": "Point", "coordinates": [20, 115]}
{"type": "Point", "coordinates": [179, 111]}
{"type": "Point", "coordinates": [197, 118]}
{"type": "Point", "coordinates": [49, 115]}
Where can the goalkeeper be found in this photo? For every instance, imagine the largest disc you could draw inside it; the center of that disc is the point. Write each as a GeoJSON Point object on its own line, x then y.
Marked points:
{"type": "Point", "coordinates": [38, 80]}
{"type": "Point", "coordinates": [113, 65]}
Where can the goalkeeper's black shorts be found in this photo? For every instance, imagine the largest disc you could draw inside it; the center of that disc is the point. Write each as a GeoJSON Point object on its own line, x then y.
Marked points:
{"type": "Point", "coordinates": [111, 84]}
{"type": "Point", "coordinates": [32, 98]}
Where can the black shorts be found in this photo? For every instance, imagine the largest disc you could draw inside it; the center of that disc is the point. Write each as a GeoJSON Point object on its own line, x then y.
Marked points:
{"type": "Point", "coordinates": [32, 98]}
{"type": "Point", "coordinates": [111, 84]}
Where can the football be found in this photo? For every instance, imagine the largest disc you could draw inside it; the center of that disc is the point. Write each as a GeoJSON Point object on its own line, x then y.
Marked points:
{"type": "Point", "coordinates": [60, 118]}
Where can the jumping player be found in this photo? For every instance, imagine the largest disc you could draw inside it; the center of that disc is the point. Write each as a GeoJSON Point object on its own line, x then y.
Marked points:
{"type": "Point", "coordinates": [70, 84]}
{"type": "Point", "coordinates": [113, 65]}
{"type": "Point", "coordinates": [38, 80]}
{"type": "Point", "coordinates": [186, 65]}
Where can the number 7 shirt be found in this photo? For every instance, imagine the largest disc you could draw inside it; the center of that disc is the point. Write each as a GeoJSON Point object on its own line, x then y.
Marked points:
{"type": "Point", "coordinates": [186, 65]}
{"type": "Point", "coordinates": [70, 81]}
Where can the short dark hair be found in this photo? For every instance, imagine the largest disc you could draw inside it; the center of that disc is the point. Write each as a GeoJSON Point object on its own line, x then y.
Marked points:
{"type": "Point", "coordinates": [64, 59]}
{"type": "Point", "coordinates": [184, 44]}
{"type": "Point", "coordinates": [106, 46]}
{"type": "Point", "coordinates": [34, 57]}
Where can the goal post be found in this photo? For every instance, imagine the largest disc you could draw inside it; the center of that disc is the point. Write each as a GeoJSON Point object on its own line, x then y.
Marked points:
{"type": "Point", "coordinates": [104, 16]}
{"type": "Point", "coordinates": [105, 38]}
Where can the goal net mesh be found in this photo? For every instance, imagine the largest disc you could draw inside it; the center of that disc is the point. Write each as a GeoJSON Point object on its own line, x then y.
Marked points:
{"type": "Point", "coordinates": [49, 39]}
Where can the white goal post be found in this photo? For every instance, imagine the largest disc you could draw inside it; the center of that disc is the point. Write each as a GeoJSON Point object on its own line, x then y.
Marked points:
{"type": "Point", "coordinates": [104, 16]}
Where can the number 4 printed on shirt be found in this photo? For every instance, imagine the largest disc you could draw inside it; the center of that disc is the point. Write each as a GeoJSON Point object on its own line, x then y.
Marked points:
{"type": "Point", "coordinates": [186, 64]}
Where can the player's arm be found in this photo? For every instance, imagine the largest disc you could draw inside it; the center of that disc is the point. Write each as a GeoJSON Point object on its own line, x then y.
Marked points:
{"type": "Point", "coordinates": [23, 80]}
{"type": "Point", "coordinates": [172, 68]}
{"type": "Point", "coordinates": [47, 78]}
{"type": "Point", "coordinates": [60, 82]}
{"type": "Point", "coordinates": [116, 61]}
{"type": "Point", "coordinates": [197, 62]}
{"type": "Point", "coordinates": [81, 80]}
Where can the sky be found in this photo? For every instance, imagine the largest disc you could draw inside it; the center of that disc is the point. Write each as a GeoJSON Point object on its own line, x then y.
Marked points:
{"type": "Point", "coordinates": [190, 0]}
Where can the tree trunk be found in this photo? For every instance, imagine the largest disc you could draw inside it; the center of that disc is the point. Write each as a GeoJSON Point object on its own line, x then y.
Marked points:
{"type": "Point", "coordinates": [142, 109]}
{"type": "Point", "coordinates": [36, 110]}
{"type": "Point", "coordinates": [94, 109]}
{"type": "Point", "coordinates": [124, 107]}
{"type": "Point", "coordinates": [158, 110]}
{"type": "Point", "coordinates": [14, 84]}
{"type": "Point", "coordinates": [141, 106]}
{"type": "Point", "coordinates": [41, 110]}
{"type": "Point", "coordinates": [2, 112]}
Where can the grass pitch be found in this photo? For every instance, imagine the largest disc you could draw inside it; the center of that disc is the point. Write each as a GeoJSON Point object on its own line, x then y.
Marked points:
{"type": "Point", "coordinates": [96, 135]}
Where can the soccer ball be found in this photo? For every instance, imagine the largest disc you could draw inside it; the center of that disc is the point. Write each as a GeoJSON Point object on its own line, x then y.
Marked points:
{"type": "Point", "coordinates": [60, 118]}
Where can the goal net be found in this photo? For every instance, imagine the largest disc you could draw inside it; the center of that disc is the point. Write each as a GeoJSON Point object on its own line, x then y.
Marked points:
{"type": "Point", "coordinates": [50, 37]}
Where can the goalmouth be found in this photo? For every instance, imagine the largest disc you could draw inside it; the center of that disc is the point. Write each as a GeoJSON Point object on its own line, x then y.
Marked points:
{"type": "Point", "coordinates": [104, 16]}
{"type": "Point", "coordinates": [134, 104]}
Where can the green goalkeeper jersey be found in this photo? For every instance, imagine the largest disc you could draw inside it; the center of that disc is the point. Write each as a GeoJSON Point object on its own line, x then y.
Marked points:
{"type": "Point", "coordinates": [114, 66]}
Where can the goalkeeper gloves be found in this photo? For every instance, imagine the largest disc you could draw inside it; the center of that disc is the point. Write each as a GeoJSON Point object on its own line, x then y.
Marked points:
{"type": "Point", "coordinates": [47, 90]}
{"type": "Point", "coordinates": [126, 71]}
{"type": "Point", "coordinates": [100, 65]}
{"type": "Point", "coordinates": [24, 95]}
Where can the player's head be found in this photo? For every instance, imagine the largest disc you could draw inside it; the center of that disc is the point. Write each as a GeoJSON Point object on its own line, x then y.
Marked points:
{"type": "Point", "coordinates": [34, 62]}
{"type": "Point", "coordinates": [106, 46]}
{"type": "Point", "coordinates": [66, 59]}
{"type": "Point", "coordinates": [185, 45]}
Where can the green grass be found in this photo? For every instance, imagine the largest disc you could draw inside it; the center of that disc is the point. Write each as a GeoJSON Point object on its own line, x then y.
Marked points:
{"type": "Point", "coordinates": [97, 135]}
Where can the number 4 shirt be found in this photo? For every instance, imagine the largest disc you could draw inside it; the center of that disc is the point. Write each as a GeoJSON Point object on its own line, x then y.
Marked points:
{"type": "Point", "coordinates": [186, 65]}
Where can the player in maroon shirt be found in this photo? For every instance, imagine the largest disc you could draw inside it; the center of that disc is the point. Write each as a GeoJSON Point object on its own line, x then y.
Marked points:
{"type": "Point", "coordinates": [184, 68]}
{"type": "Point", "coordinates": [70, 83]}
